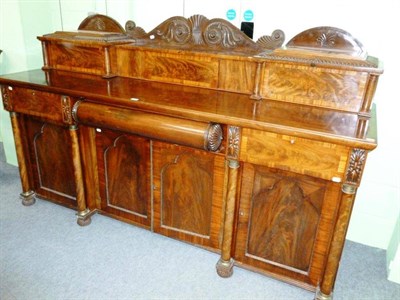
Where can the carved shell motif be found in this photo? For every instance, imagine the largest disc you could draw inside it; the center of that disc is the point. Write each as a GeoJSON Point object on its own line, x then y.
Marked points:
{"type": "Point", "coordinates": [326, 40]}
{"type": "Point", "coordinates": [197, 22]}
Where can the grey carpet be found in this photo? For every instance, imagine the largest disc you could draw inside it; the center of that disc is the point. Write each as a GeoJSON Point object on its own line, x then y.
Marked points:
{"type": "Point", "coordinates": [44, 254]}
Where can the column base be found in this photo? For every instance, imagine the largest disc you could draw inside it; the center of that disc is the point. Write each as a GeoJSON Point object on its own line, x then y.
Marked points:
{"type": "Point", "coordinates": [321, 296]}
{"type": "Point", "coordinates": [225, 268]}
{"type": "Point", "coordinates": [84, 217]}
{"type": "Point", "coordinates": [28, 198]}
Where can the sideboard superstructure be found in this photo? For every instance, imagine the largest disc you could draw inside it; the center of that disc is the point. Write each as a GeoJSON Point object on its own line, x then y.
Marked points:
{"type": "Point", "coordinates": [253, 150]}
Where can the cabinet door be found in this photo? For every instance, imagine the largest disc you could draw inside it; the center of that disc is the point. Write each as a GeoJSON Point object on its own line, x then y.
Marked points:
{"type": "Point", "coordinates": [188, 189]}
{"type": "Point", "coordinates": [50, 157]}
{"type": "Point", "coordinates": [124, 176]}
{"type": "Point", "coordinates": [285, 223]}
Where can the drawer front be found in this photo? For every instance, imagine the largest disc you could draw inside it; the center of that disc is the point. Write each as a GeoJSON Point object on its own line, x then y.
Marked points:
{"type": "Point", "coordinates": [299, 155]}
{"type": "Point", "coordinates": [45, 105]}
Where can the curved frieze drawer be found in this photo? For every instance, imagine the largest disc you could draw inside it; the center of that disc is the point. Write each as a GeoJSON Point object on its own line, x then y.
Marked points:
{"type": "Point", "coordinates": [299, 155]}
{"type": "Point", "coordinates": [207, 136]}
{"type": "Point", "coordinates": [49, 106]}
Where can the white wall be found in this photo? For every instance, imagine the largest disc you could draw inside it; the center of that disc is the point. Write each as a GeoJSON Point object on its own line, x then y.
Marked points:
{"type": "Point", "coordinates": [20, 23]}
{"type": "Point", "coordinates": [372, 22]}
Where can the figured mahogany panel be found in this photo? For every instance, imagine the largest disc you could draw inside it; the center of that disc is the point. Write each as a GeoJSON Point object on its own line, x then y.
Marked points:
{"type": "Point", "coordinates": [237, 76]}
{"type": "Point", "coordinates": [304, 156]}
{"type": "Point", "coordinates": [169, 66]}
{"type": "Point", "coordinates": [124, 175]}
{"type": "Point", "coordinates": [51, 156]}
{"type": "Point", "coordinates": [332, 88]}
{"type": "Point", "coordinates": [188, 187]}
{"type": "Point", "coordinates": [74, 57]}
{"type": "Point", "coordinates": [285, 223]}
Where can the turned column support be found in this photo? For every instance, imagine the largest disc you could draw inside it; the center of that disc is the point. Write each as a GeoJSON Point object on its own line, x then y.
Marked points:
{"type": "Point", "coordinates": [225, 264]}
{"type": "Point", "coordinates": [83, 214]}
{"type": "Point", "coordinates": [325, 290]}
{"type": "Point", "coordinates": [28, 195]}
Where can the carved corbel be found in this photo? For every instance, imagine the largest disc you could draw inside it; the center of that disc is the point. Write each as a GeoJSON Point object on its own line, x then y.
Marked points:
{"type": "Point", "coordinates": [233, 142]}
{"type": "Point", "coordinates": [6, 98]}
{"type": "Point", "coordinates": [354, 170]}
{"type": "Point", "coordinates": [66, 109]}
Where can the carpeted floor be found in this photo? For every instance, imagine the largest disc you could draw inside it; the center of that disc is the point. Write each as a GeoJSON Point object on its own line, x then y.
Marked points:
{"type": "Point", "coordinates": [44, 254]}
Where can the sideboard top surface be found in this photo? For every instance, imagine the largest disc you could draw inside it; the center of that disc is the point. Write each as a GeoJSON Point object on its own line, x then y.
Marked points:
{"type": "Point", "coordinates": [202, 104]}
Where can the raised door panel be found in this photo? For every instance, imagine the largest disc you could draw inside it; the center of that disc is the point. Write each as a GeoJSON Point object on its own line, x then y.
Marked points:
{"type": "Point", "coordinates": [124, 176]}
{"type": "Point", "coordinates": [50, 154]}
{"type": "Point", "coordinates": [285, 223]}
{"type": "Point", "coordinates": [188, 189]}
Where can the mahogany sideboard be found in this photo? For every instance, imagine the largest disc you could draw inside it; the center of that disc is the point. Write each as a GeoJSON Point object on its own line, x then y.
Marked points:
{"type": "Point", "coordinates": [253, 150]}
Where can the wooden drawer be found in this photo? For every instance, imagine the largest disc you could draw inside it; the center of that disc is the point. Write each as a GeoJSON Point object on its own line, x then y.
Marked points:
{"type": "Point", "coordinates": [53, 107]}
{"type": "Point", "coordinates": [299, 155]}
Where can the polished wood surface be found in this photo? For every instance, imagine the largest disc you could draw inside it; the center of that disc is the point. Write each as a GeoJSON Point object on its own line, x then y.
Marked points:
{"type": "Point", "coordinates": [124, 175]}
{"type": "Point", "coordinates": [188, 194]}
{"type": "Point", "coordinates": [203, 105]}
{"type": "Point", "coordinates": [285, 223]}
{"type": "Point", "coordinates": [194, 131]}
{"type": "Point", "coordinates": [44, 141]}
{"type": "Point", "coordinates": [304, 156]}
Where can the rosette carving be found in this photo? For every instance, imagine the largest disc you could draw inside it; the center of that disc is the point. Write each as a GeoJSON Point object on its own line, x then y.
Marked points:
{"type": "Point", "coordinates": [214, 137]}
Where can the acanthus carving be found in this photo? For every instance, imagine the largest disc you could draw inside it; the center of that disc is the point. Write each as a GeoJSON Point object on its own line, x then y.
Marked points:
{"type": "Point", "coordinates": [66, 109]}
{"type": "Point", "coordinates": [355, 166]}
{"type": "Point", "coordinates": [197, 30]}
{"type": "Point", "coordinates": [233, 142]}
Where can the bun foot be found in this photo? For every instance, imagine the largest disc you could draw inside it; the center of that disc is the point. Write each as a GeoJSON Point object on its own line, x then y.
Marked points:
{"type": "Point", "coordinates": [321, 296]}
{"type": "Point", "coordinates": [225, 268]}
{"type": "Point", "coordinates": [84, 217]}
{"type": "Point", "coordinates": [28, 198]}
{"type": "Point", "coordinates": [84, 221]}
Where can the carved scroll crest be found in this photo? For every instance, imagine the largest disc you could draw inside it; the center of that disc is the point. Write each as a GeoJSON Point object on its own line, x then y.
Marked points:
{"type": "Point", "coordinates": [214, 34]}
